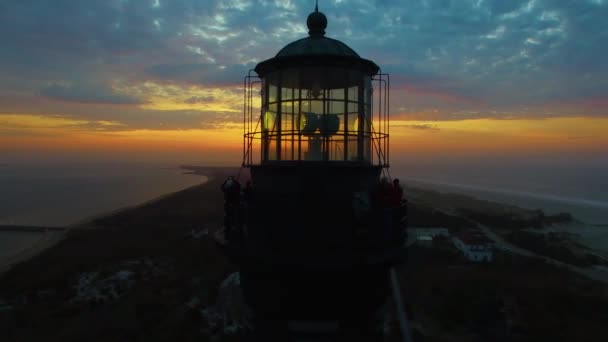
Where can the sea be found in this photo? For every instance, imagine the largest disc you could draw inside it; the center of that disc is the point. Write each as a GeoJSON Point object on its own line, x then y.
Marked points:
{"type": "Point", "coordinates": [61, 195]}
{"type": "Point", "coordinates": [583, 192]}
{"type": "Point", "coordinates": [578, 190]}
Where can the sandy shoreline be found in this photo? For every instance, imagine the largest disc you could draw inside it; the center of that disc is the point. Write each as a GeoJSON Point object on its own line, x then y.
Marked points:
{"type": "Point", "coordinates": [591, 212]}
{"type": "Point", "coordinates": [50, 238]}
{"type": "Point", "coordinates": [44, 241]}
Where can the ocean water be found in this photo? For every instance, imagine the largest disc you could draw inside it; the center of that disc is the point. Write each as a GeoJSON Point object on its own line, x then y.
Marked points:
{"type": "Point", "coordinates": [59, 195]}
{"type": "Point", "coordinates": [583, 192]}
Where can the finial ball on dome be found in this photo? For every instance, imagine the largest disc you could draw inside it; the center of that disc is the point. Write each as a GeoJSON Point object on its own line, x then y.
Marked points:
{"type": "Point", "coordinates": [317, 23]}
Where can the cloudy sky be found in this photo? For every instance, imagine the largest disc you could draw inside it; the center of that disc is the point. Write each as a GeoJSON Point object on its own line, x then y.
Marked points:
{"type": "Point", "coordinates": [163, 78]}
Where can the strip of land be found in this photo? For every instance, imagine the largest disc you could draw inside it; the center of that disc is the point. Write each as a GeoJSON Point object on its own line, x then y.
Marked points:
{"type": "Point", "coordinates": [152, 273]}
{"type": "Point", "coordinates": [30, 229]}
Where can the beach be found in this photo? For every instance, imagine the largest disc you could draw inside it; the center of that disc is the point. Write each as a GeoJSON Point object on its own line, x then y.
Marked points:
{"type": "Point", "coordinates": [17, 246]}
{"type": "Point", "coordinates": [590, 225]}
{"type": "Point", "coordinates": [13, 242]}
{"type": "Point", "coordinates": [87, 192]}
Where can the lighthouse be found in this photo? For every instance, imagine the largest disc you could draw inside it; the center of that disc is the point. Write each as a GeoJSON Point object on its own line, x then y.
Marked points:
{"type": "Point", "coordinates": [317, 236]}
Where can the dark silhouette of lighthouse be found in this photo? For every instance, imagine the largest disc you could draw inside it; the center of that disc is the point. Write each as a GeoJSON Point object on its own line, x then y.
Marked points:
{"type": "Point", "coordinates": [319, 232]}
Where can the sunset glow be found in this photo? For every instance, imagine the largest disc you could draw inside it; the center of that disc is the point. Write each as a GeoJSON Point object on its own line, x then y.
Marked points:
{"type": "Point", "coordinates": [170, 82]}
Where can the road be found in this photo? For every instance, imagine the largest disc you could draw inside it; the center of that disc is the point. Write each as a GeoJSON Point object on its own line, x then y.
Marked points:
{"type": "Point", "coordinates": [599, 274]}
{"type": "Point", "coordinates": [589, 272]}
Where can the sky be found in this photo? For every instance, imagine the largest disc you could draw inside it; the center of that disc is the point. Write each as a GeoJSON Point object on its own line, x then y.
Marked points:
{"type": "Point", "coordinates": [160, 80]}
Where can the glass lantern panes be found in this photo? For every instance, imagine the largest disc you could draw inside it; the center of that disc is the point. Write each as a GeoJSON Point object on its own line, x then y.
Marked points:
{"type": "Point", "coordinates": [316, 114]}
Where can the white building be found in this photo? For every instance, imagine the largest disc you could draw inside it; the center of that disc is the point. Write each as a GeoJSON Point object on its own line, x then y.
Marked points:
{"type": "Point", "coordinates": [424, 240]}
{"type": "Point", "coordinates": [475, 247]}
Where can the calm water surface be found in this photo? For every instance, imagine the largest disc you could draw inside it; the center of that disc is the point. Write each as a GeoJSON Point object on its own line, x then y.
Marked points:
{"type": "Point", "coordinates": [63, 195]}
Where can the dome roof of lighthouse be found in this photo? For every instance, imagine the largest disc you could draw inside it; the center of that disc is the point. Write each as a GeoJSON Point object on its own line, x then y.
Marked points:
{"type": "Point", "coordinates": [316, 43]}
{"type": "Point", "coordinates": [316, 50]}
{"type": "Point", "coordinates": [317, 46]}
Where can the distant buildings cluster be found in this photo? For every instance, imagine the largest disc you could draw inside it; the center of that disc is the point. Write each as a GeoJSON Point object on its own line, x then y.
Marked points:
{"type": "Point", "coordinates": [474, 245]}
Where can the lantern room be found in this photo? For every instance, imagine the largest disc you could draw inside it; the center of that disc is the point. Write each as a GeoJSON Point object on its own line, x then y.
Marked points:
{"type": "Point", "coordinates": [320, 103]}
{"type": "Point", "coordinates": [317, 227]}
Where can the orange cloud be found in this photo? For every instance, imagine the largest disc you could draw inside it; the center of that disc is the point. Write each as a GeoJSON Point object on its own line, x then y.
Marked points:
{"type": "Point", "coordinates": [31, 133]}
{"type": "Point", "coordinates": [482, 136]}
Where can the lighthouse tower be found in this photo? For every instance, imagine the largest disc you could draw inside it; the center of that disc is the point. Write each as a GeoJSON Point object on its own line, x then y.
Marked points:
{"type": "Point", "coordinates": [316, 236]}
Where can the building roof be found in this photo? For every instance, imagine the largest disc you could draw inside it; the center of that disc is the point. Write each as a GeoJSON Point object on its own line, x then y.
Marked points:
{"type": "Point", "coordinates": [473, 238]}
{"type": "Point", "coordinates": [317, 45]}
{"type": "Point", "coordinates": [316, 49]}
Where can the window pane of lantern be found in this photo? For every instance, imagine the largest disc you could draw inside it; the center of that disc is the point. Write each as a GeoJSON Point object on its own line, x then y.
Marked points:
{"type": "Point", "coordinates": [269, 119]}
{"type": "Point", "coordinates": [353, 123]}
{"type": "Point", "coordinates": [336, 94]}
{"type": "Point", "coordinates": [312, 106]}
{"type": "Point", "coordinates": [272, 93]}
{"type": "Point", "coordinates": [305, 106]}
{"type": "Point", "coordinates": [287, 107]}
{"type": "Point", "coordinates": [368, 90]}
{"type": "Point", "coordinates": [286, 121]}
{"type": "Point", "coordinates": [353, 108]}
{"type": "Point", "coordinates": [286, 93]}
{"type": "Point", "coordinates": [272, 148]}
{"type": "Point", "coordinates": [353, 93]}
{"type": "Point", "coordinates": [336, 148]}
{"type": "Point", "coordinates": [286, 148]}
{"type": "Point", "coordinates": [336, 107]}
{"type": "Point", "coordinates": [304, 146]}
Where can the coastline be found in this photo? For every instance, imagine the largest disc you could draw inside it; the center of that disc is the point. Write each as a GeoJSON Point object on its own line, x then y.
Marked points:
{"type": "Point", "coordinates": [54, 235]}
{"type": "Point", "coordinates": [590, 217]}
{"type": "Point", "coordinates": [590, 212]}
{"type": "Point", "coordinates": [62, 195]}
{"type": "Point", "coordinates": [86, 222]}
{"type": "Point", "coordinates": [215, 174]}
{"type": "Point", "coordinates": [515, 193]}
{"type": "Point", "coordinates": [49, 239]}
{"type": "Point", "coordinates": [162, 256]}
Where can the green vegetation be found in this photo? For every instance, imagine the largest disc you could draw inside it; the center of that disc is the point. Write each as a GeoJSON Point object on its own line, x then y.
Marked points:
{"type": "Point", "coordinates": [512, 299]}
{"type": "Point", "coordinates": [157, 233]}
{"type": "Point", "coordinates": [495, 215]}
{"type": "Point", "coordinates": [554, 245]}
{"type": "Point", "coordinates": [510, 220]}
{"type": "Point", "coordinates": [420, 215]}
